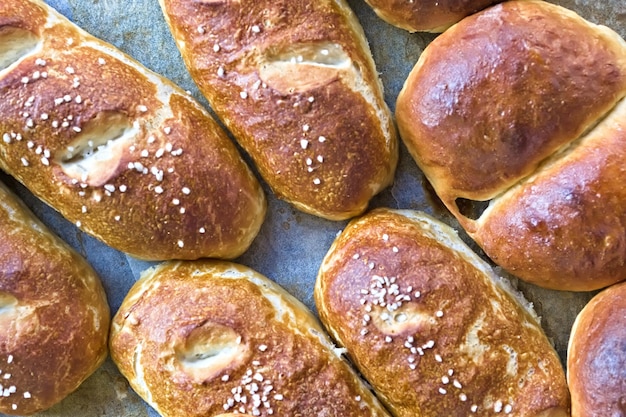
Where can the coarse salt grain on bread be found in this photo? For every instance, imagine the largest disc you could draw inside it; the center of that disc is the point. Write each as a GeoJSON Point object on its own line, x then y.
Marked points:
{"type": "Point", "coordinates": [212, 338]}
{"type": "Point", "coordinates": [431, 327]}
{"type": "Point", "coordinates": [295, 82]}
{"type": "Point", "coordinates": [118, 150]}
{"type": "Point", "coordinates": [596, 356]}
{"type": "Point", "coordinates": [521, 106]}
{"type": "Point", "coordinates": [426, 15]}
{"type": "Point", "coordinates": [54, 316]}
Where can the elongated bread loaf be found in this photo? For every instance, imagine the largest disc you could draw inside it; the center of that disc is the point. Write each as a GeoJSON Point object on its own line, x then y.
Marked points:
{"type": "Point", "coordinates": [431, 327]}
{"type": "Point", "coordinates": [519, 110]}
{"type": "Point", "coordinates": [210, 338]}
{"type": "Point", "coordinates": [118, 150]}
{"type": "Point", "coordinates": [596, 356]}
{"type": "Point", "coordinates": [54, 316]}
{"type": "Point", "coordinates": [295, 83]}
{"type": "Point", "coordinates": [426, 15]}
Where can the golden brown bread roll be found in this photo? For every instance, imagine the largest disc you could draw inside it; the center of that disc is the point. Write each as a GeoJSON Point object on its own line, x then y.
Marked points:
{"type": "Point", "coordinates": [426, 15]}
{"type": "Point", "coordinates": [118, 150]}
{"type": "Point", "coordinates": [54, 316]}
{"type": "Point", "coordinates": [515, 109]}
{"type": "Point", "coordinates": [210, 338]}
{"type": "Point", "coordinates": [295, 83]}
{"type": "Point", "coordinates": [431, 327]}
{"type": "Point", "coordinates": [596, 357]}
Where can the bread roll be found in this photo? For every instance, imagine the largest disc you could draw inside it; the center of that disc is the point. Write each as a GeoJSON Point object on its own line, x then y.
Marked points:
{"type": "Point", "coordinates": [596, 356]}
{"type": "Point", "coordinates": [431, 327]}
{"type": "Point", "coordinates": [295, 83]}
{"type": "Point", "coordinates": [426, 15]}
{"type": "Point", "coordinates": [211, 338]}
{"type": "Point", "coordinates": [515, 110]}
{"type": "Point", "coordinates": [54, 316]}
{"type": "Point", "coordinates": [123, 153]}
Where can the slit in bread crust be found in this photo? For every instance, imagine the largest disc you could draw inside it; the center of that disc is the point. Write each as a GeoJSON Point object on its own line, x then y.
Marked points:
{"type": "Point", "coordinates": [94, 156]}
{"type": "Point", "coordinates": [8, 303]}
{"type": "Point", "coordinates": [139, 376]}
{"type": "Point", "coordinates": [208, 350]}
{"type": "Point", "coordinates": [303, 67]}
{"type": "Point", "coordinates": [15, 45]}
{"type": "Point", "coordinates": [297, 68]}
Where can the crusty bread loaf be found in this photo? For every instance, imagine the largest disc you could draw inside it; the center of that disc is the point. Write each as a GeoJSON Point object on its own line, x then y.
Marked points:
{"type": "Point", "coordinates": [426, 15]}
{"type": "Point", "coordinates": [54, 316]}
{"type": "Point", "coordinates": [211, 338]}
{"type": "Point", "coordinates": [295, 83]}
{"type": "Point", "coordinates": [515, 109]}
{"type": "Point", "coordinates": [596, 356]}
{"type": "Point", "coordinates": [118, 150]}
{"type": "Point", "coordinates": [431, 327]}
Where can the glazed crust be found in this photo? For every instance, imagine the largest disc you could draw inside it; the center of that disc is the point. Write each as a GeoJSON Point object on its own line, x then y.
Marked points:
{"type": "Point", "coordinates": [295, 83]}
{"type": "Point", "coordinates": [596, 358]}
{"type": "Point", "coordinates": [485, 128]}
{"type": "Point", "coordinates": [118, 150]}
{"type": "Point", "coordinates": [569, 219]}
{"type": "Point", "coordinates": [426, 15]}
{"type": "Point", "coordinates": [430, 326]}
{"type": "Point", "coordinates": [55, 317]}
{"type": "Point", "coordinates": [202, 338]}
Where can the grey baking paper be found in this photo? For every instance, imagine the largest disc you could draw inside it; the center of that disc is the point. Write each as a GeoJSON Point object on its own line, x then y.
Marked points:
{"type": "Point", "coordinates": [291, 244]}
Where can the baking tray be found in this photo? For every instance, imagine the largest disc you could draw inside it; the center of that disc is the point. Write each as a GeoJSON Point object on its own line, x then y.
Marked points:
{"type": "Point", "coordinates": [291, 244]}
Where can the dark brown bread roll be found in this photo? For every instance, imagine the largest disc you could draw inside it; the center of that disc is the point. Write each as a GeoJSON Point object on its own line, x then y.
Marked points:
{"type": "Point", "coordinates": [431, 327]}
{"type": "Point", "coordinates": [517, 106]}
{"type": "Point", "coordinates": [596, 356]}
{"type": "Point", "coordinates": [426, 15]}
{"type": "Point", "coordinates": [212, 338]}
{"type": "Point", "coordinates": [54, 316]}
{"type": "Point", "coordinates": [295, 82]}
{"type": "Point", "coordinates": [118, 150]}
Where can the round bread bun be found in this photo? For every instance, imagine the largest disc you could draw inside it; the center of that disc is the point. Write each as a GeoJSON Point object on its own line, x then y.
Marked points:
{"type": "Point", "coordinates": [426, 15]}
{"type": "Point", "coordinates": [431, 327]}
{"type": "Point", "coordinates": [54, 316]}
{"type": "Point", "coordinates": [210, 338]}
{"type": "Point", "coordinates": [596, 357]}
{"type": "Point", "coordinates": [516, 116]}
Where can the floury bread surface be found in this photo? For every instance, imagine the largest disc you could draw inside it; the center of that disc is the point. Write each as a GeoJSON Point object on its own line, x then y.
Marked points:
{"type": "Point", "coordinates": [209, 338]}
{"type": "Point", "coordinates": [520, 110]}
{"type": "Point", "coordinates": [295, 82]}
{"type": "Point", "coordinates": [54, 316]}
{"type": "Point", "coordinates": [118, 150]}
{"type": "Point", "coordinates": [431, 327]}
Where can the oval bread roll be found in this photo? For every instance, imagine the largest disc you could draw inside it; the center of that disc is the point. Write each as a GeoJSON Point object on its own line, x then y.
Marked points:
{"type": "Point", "coordinates": [426, 15]}
{"type": "Point", "coordinates": [295, 82]}
{"type": "Point", "coordinates": [118, 150]}
{"type": "Point", "coordinates": [211, 338]}
{"type": "Point", "coordinates": [54, 315]}
{"type": "Point", "coordinates": [517, 110]}
{"type": "Point", "coordinates": [596, 356]}
{"type": "Point", "coordinates": [431, 327]}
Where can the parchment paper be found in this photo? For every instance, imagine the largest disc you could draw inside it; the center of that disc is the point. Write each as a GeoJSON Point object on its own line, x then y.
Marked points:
{"type": "Point", "coordinates": [291, 244]}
